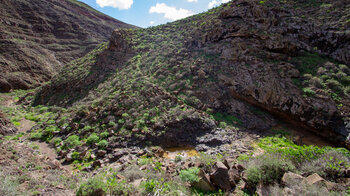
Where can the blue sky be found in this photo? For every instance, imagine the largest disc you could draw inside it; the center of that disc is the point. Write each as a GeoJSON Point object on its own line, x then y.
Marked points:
{"type": "Point", "coordinates": [145, 13]}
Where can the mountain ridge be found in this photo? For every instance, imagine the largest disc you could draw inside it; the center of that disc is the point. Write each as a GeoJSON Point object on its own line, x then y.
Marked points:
{"type": "Point", "coordinates": [39, 37]}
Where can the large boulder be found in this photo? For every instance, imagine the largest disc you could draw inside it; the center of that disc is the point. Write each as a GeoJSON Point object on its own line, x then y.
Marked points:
{"type": "Point", "coordinates": [220, 176]}
{"type": "Point", "coordinates": [291, 178]}
{"type": "Point", "coordinates": [204, 183]}
{"type": "Point", "coordinates": [314, 179]}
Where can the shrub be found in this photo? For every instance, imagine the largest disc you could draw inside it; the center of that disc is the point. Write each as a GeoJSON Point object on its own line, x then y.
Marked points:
{"type": "Point", "coordinates": [190, 175]}
{"type": "Point", "coordinates": [222, 125]}
{"type": "Point", "coordinates": [334, 85]}
{"type": "Point", "coordinates": [207, 160]}
{"type": "Point", "coordinates": [36, 135]}
{"type": "Point", "coordinates": [57, 141]}
{"type": "Point", "coordinates": [93, 187]}
{"type": "Point", "coordinates": [347, 90]}
{"type": "Point", "coordinates": [329, 165]}
{"type": "Point", "coordinates": [289, 150]}
{"type": "Point", "coordinates": [86, 128]}
{"type": "Point", "coordinates": [72, 141]}
{"type": "Point", "coordinates": [145, 160]}
{"type": "Point", "coordinates": [102, 144]}
{"type": "Point", "coordinates": [133, 172]}
{"type": "Point", "coordinates": [92, 139]}
{"type": "Point", "coordinates": [119, 187]}
{"type": "Point", "coordinates": [345, 80]}
{"type": "Point", "coordinates": [32, 117]}
{"type": "Point", "coordinates": [267, 169]}
{"type": "Point", "coordinates": [8, 185]}
{"type": "Point", "coordinates": [75, 155]}
{"type": "Point", "coordinates": [104, 134]}
{"type": "Point", "coordinates": [51, 122]}
{"type": "Point", "coordinates": [309, 92]}
{"type": "Point", "coordinates": [121, 121]}
{"type": "Point", "coordinates": [178, 158]}
{"type": "Point", "coordinates": [316, 82]}
{"type": "Point", "coordinates": [111, 123]}
{"type": "Point", "coordinates": [152, 186]}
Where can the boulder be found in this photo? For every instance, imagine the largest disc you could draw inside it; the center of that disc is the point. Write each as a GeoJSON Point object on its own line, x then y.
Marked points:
{"type": "Point", "coordinates": [314, 179]}
{"type": "Point", "coordinates": [229, 162]}
{"type": "Point", "coordinates": [69, 157]}
{"type": "Point", "coordinates": [97, 163]}
{"type": "Point", "coordinates": [291, 178]}
{"type": "Point", "coordinates": [234, 176]}
{"type": "Point", "coordinates": [101, 153]}
{"type": "Point", "coordinates": [220, 176]}
{"type": "Point", "coordinates": [204, 183]}
{"type": "Point", "coordinates": [331, 186]}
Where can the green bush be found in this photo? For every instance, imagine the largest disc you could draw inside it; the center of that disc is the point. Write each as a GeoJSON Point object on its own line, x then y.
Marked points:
{"type": "Point", "coordinates": [330, 165]}
{"type": "Point", "coordinates": [92, 139]}
{"type": "Point", "coordinates": [36, 135]}
{"type": "Point", "coordinates": [32, 117]}
{"type": "Point", "coordinates": [267, 168]}
{"type": "Point", "coordinates": [86, 128]}
{"type": "Point", "coordinates": [144, 160]}
{"type": "Point", "coordinates": [222, 125]}
{"type": "Point", "coordinates": [111, 123]}
{"type": "Point", "coordinates": [72, 141]}
{"type": "Point", "coordinates": [334, 85]}
{"type": "Point", "coordinates": [289, 150]}
{"type": "Point", "coordinates": [104, 134]}
{"type": "Point", "coordinates": [76, 156]}
{"type": "Point", "coordinates": [119, 187]}
{"type": "Point", "coordinates": [57, 141]}
{"type": "Point", "coordinates": [102, 144]}
{"type": "Point", "coordinates": [51, 122]}
{"type": "Point", "coordinates": [347, 90]}
{"type": "Point", "coordinates": [309, 92]}
{"type": "Point", "coordinates": [207, 160]}
{"type": "Point", "coordinates": [93, 187]}
{"type": "Point", "coordinates": [152, 186]}
{"type": "Point", "coordinates": [190, 175]}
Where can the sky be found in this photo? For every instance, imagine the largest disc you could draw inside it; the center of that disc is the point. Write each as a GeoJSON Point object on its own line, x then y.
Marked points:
{"type": "Point", "coordinates": [145, 13]}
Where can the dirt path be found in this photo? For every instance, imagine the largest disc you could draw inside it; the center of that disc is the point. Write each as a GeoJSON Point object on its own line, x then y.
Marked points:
{"type": "Point", "coordinates": [29, 151]}
{"type": "Point", "coordinates": [25, 126]}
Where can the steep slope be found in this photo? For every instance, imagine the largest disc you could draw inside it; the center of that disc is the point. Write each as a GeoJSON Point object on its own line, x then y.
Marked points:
{"type": "Point", "coordinates": [245, 65]}
{"type": "Point", "coordinates": [37, 37]}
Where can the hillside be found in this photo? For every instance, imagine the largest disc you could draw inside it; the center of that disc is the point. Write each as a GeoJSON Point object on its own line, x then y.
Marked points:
{"type": "Point", "coordinates": [251, 64]}
{"type": "Point", "coordinates": [38, 37]}
{"type": "Point", "coordinates": [251, 97]}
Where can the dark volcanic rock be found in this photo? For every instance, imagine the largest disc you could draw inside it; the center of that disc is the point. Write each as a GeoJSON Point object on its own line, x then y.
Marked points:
{"type": "Point", "coordinates": [220, 176]}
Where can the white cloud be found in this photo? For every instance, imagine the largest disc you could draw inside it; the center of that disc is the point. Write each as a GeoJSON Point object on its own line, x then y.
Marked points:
{"type": "Point", "coordinates": [152, 22]}
{"type": "Point", "coordinates": [214, 3]}
{"type": "Point", "coordinates": [192, 0]}
{"type": "Point", "coordinates": [120, 4]}
{"type": "Point", "coordinates": [169, 12]}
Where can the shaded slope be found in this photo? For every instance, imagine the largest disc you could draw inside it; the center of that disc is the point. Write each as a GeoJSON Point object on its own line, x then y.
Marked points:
{"type": "Point", "coordinates": [38, 37]}
{"type": "Point", "coordinates": [242, 66]}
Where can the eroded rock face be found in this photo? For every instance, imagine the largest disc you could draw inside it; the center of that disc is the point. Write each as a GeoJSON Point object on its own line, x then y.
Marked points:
{"type": "Point", "coordinates": [252, 77]}
{"type": "Point", "coordinates": [39, 36]}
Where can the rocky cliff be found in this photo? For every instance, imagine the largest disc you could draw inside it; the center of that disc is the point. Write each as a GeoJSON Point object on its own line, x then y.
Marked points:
{"type": "Point", "coordinates": [37, 37]}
